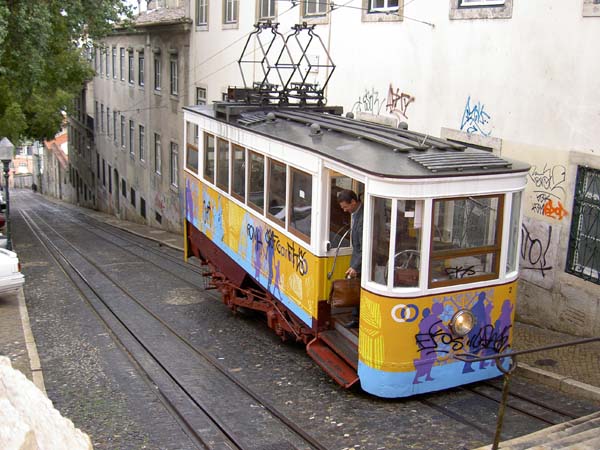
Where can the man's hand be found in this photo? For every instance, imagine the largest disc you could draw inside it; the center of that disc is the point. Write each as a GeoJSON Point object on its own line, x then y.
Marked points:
{"type": "Point", "coordinates": [351, 273]}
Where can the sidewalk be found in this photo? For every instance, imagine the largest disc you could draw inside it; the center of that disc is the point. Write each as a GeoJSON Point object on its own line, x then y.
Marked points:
{"type": "Point", "coordinates": [574, 370]}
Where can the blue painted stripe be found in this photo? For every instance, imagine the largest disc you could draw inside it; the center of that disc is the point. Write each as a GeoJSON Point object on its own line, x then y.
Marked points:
{"type": "Point", "coordinates": [400, 384]}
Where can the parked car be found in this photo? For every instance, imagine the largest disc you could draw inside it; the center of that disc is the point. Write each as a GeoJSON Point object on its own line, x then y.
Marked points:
{"type": "Point", "coordinates": [11, 277]}
{"type": "Point", "coordinates": [2, 200]}
{"type": "Point", "coordinates": [2, 220]}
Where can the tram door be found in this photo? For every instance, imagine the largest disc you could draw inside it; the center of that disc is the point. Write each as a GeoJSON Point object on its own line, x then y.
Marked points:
{"type": "Point", "coordinates": [340, 221]}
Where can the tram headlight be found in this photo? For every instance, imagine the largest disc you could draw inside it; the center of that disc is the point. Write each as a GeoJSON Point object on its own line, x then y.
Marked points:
{"type": "Point", "coordinates": [462, 323]}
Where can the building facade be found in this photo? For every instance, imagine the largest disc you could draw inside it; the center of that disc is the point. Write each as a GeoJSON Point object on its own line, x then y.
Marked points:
{"type": "Point", "coordinates": [55, 177]}
{"type": "Point", "coordinates": [139, 89]}
{"type": "Point", "coordinates": [497, 74]}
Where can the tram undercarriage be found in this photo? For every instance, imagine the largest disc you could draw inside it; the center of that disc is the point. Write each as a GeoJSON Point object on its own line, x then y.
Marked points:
{"type": "Point", "coordinates": [331, 346]}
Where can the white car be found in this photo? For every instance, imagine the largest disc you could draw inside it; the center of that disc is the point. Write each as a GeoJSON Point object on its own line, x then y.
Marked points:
{"type": "Point", "coordinates": [11, 278]}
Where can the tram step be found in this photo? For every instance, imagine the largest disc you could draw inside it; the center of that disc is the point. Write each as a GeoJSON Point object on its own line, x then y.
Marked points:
{"type": "Point", "coordinates": [342, 346]}
{"type": "Point", "coordinates": [337, 368]}
{"type": "Point", "coordinates": [578, 434]}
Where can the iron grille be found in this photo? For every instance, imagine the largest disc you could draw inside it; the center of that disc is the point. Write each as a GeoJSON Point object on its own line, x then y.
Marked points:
{"type": "Point", "coordinates": [583, 259]}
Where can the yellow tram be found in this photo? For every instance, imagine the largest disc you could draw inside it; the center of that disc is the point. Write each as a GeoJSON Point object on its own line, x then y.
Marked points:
{"type": "Point", "coordinates": [439, 246]}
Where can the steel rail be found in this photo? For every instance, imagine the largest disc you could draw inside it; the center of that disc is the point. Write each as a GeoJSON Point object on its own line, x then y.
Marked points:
{"type": "Point", "coordinates": [164, 398]}
{"type": "Point", "coordinates": [268, 405]}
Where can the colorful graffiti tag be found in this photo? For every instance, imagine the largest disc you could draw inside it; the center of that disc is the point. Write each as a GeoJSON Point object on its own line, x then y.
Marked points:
{"type": "Point", "coordinates": [435, 340]}
{"type": "Point", "coordinates": [475, 119]}
{"type": "Point", "coordinates": [548, 188]}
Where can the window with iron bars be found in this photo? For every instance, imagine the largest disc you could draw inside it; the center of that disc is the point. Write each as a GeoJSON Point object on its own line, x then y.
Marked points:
{"type": "Point", "coordinates": [583, 258]}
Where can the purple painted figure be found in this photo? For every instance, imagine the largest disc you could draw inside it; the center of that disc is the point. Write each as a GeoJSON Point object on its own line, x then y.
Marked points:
{"type": "Point", "coordinates": [257, 252]}
{"type": "Point", "coordinates": [430, 324]}
{"type": "Point", "coordinates": [482, 313]}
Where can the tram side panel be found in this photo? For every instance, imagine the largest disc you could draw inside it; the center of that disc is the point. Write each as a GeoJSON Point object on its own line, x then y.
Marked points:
{"type": "Point", "coordinates": [279, 264]}
{"type": "Point", "coordinates": [406, 345]}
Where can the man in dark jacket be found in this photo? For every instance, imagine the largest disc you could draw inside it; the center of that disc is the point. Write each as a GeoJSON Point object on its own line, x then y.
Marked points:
{"type": "Point", "coordinates": [350, 203]}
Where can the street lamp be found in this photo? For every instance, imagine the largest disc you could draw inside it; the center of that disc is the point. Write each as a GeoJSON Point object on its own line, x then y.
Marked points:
{"type": "Point", "coordinates": [6, 156]}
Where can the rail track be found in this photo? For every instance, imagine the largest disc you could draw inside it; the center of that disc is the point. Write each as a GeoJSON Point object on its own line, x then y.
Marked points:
{"type": "Point", "coordinates": [183, 399]}
{"type": "Point", "coordinates": [135, 327]}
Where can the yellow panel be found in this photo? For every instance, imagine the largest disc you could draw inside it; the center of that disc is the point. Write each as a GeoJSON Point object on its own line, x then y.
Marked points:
{"type": "Point", "coordinates": [395, 333]}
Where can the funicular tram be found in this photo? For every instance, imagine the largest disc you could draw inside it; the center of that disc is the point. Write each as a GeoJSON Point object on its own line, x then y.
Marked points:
{"type": "Point", "coordinates": [439, 250]}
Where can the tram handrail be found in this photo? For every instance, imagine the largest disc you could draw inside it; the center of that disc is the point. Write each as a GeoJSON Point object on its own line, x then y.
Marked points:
{"type": "Point", "coordinates": [470, 358]}
{"type": "Point", "coordinates": [337, 251]}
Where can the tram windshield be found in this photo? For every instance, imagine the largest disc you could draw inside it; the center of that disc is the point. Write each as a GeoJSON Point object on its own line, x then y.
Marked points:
{"type": "Point", "coordinates": [465, 239]}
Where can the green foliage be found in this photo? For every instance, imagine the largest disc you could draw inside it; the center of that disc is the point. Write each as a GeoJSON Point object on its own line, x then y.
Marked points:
{"type": "Point", "coordinates": [42, 59]}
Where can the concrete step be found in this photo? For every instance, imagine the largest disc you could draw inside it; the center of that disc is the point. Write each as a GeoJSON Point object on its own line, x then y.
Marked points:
{"type": "Point", "coordinates": [582, 433]}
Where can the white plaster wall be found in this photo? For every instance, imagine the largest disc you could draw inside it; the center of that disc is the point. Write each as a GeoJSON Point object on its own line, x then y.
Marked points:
{"type": "Point", "coordinates": [534, 76]}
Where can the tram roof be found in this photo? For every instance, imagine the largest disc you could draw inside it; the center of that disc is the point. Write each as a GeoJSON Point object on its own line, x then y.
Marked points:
{"type": "Point", "coordinates": [373, 148]}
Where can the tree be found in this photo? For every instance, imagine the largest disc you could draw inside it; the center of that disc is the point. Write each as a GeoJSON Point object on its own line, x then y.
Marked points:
{"type": "Point", "coordinates": [43, 64]}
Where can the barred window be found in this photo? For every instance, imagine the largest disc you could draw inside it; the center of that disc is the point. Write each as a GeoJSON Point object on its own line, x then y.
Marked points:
{"type": "Point", "coordinates": [583, 259]}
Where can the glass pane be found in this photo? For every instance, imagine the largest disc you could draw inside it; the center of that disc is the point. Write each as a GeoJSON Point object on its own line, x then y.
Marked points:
{"type": "Point", "coordinates": [380, 251]}
{"type": "Point", "coordinates": [465, 223]}
{"type": "Point", "coordinates": [191, 160]}
{"type": "Point", "coordinates": [407, 256]}
{"type": "Point", "coordinates": [276, 192]}
{"type": "Point", "coordinates": [256, 194]}
{"type": "Point", "coordinates": [301, 202]}
{"type": "Point", "coordinates": [223, 164]}
{"type": "Point", "coordinates": [209, 157]}
{"type": "Point", "coordinates": [513, 233]}
{"type": "Point", "coordinates": [339, 221]}
{"type": "Point", "coordinates": [460, 267]}
{"type": "Point", "coordinates": [239, 172]}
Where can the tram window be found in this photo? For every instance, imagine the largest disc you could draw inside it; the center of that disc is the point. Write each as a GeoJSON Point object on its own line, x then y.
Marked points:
{"type": "Point", "coordinates": [256, 188]}
{"type": "Point", "coordinates": [465, 240]}
{"type": "Point", "coordinates": [407, 254]}
{"type": "Point", "coordinates": [191, 158]}
{"type": "Point", "coordinates": [380, 235]}
{"type": "Point", "coordinates": [277, 183]}
{"type": "Point", "coordinates": [223, 164]}
{"type": "Point", "coordinates": [209, 157]}
{"type": "Point", "coordinates": [513, 233]}
{"type": "Point", "coordinates": [239, 172]}
{"type": "Point", "coordinates": [300, 203]}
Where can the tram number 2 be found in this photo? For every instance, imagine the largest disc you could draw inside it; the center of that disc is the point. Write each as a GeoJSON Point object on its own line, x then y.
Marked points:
{"type": "Point", "coordinates": [405, 313]}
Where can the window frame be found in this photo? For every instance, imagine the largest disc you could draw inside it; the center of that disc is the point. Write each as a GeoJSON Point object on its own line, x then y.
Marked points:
{"type": "Point", "coordinates": [222, 147]}
{"type": "Point", "coordinates": [494, 249]}
{"type": "Point", "coordinates": [291, 171]}
{"type": "Point", "coordinates": [459, 11]}
{"type": "Point", "coordinates": [114, 63]}
{"type": "Point", "coordinates": [269, 191]}
{"type": "Point", "coordinates": [174, 75]}
{"type": "Point", "coordinates": [132, 138]}
{"type": "Point", "coordinates": [234, 173]}
{"type": "Point", "coordinates": [201, 22]}
{"type": "Point", "coordinates": [271, 8]}
{"type": "Point", "coordinates": [142, 142]}
{"type": "Point", "coordinates": [581, 200]}
{"type": "Point", "coordinates": [157, 154]}
{"type": "Point", "coordinates": [122, 63]}
{"type": "Point", "coordinates": [141, 63]}
{"type": "Point", "coordinates": [231, 13]}
{"type": "Point", "coordinates": [157, 72]}
{"type": "Point", "coordinates": [131, 66]}
{"type": "Point", "coordinates": [174, 164]}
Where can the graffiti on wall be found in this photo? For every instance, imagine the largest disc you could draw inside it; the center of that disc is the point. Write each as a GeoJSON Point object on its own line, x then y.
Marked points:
{"type": "Point", "coordinates": [548, 190]}
{"type": "Point", "coordinates": [539, 244]}
{"type": "Point", "coordinates": [396, 102]}
{"type": "Point", "coordinates": [368, 102]}
{"type": "Point", "coordinates": [475, 119]}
